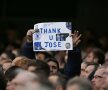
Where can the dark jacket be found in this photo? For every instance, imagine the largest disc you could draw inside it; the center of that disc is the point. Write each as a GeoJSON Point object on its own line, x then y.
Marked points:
{"type": "Point", "coordinates": [73, 65]}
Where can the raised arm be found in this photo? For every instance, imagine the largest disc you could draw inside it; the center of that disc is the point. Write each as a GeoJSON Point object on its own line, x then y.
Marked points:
{"type": "Point", "coordinates": [73, 64]}
{"type": "Point", "coordinates": [27, 49]}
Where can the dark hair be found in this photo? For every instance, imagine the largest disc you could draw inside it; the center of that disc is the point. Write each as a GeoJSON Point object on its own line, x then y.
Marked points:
{"type": "Point", "coordinates": [91, 75]}
{"type": "Point", "coordinates": [10, 55]}
{"type": "Point", "coordinates": [53, 60]}
{"type": "Point", "coordinates": [60, 81]}
{"type": "Point", "coordinates": [47, 54]}
{"type": "Point", "coordinates": [42, 68]}
{"type": "Point", "coordinates": [12, 72]}
{"type": "Point", "coordinates": [98, 53]}
{"type": "Point", "coordinates": [46, 85]}
{"type": "Point", "coordinates": [2, 81]}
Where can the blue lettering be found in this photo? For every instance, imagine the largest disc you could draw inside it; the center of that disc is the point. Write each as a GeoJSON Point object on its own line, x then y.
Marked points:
{"type": "Point", "coordinates": [55, 45]}
{"type": "Point", "coordinates": [53, 30]}
{"type": "Point", "coordinates": [45, 30]}
{"type": "Point", "coordinates": [41, 30]}
{"type": "Point", "coordinates": [58, 30]}
{"type": "Point", "coordinates": [49, 31]}
{"type": "Point", "coordinates": [59, 44]}
{"type": "Point", "coordinates": [51, 37]}
{"type": "Point", "coordinates": [50, 44]}
{"type": "Point", "coordinates": [46, 44]}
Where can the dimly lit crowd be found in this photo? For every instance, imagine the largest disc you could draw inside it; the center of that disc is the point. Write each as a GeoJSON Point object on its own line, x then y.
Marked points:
{"type": "Point", "coordinates": [83, 68]}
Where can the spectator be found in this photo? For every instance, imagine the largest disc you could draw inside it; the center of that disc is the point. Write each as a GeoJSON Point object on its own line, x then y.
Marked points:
{"type": "Point", "coordinates": [2, 81]}
{"type": "Point", "coordinates": [3, 61]}
{"type": "Point", "coordinates": [40, 68]}
{"type": "Point", "coordinates": [12, 72]}
{"type": "Point", "coordinates": [79, 83]}
{"type": "Point", "coordinates": [106, 58]}
{"type": "Point", "coordinates": [60, 57]}
{"type": "Point", "coordinates": [89, 71]}
{"type": "Point", "coordinates": [7, 55]}
{"type": "Point", "coordinates": [21, 62]}
{"type": "Point", "coordinates": [99, 78]}
{"type": "Point", "coordinates": [6, 65]}
{"type": "Point", "coordinates": [54, 66]}
{"type": "Point", "coordinates": [83, 67]}
{"type": "Point", "coordinates": [95, 56]}
{"type": "Point", "coordinates": [22, 80]}
{"type": "Point", "coordinates": [43, 55]}
{"type": "Point", "coordinates": [59, 81]}
{"type": "Point", "coordinates": [104, 86]}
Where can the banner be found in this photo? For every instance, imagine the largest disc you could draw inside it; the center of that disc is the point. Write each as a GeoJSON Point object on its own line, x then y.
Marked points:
{"type": "Point", "coordinates": [52, 36]}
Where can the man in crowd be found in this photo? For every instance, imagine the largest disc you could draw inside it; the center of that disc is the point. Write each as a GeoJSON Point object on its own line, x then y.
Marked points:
{"type": "Point", "coordinates": [79, 83]}
{"type": "Point", "coordinates": [99, 78]}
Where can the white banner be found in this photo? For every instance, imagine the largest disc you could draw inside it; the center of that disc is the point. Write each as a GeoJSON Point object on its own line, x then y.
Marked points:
{"type": "Point", "coordinates": [52, 36]}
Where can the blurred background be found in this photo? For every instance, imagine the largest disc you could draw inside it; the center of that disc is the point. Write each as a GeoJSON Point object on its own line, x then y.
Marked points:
{"type": "Point", "coordinates": [17, 16]}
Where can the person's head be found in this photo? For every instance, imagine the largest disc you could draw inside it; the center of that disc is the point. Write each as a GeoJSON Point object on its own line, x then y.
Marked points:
{"type": "Point", "coordinates": [87, 71]}
{"type": "Point", "coordinates": [5, 61]}
{"type": "Point", "coordinates": [18, 59]}
{"type": "Point", "coordinates": [44, 85]}
{"type": "Point", "coordinates": [40, 68]}
{"type": "Point", "coordinates": [59, 55]}
{"type": "Point", "coordinates": [95, 56]}
{"type": "Point", "coordinates": [22, 80]}
{"type": "Point", "coordinates": [7, 65]}
{"type": "Point", "coordinates": [103, 40]}
{"type": "Point", "coordinates": [79, 83]}
{"type": "Point", "coordinates": [105, 84]}
{"type": "Point", "coordinates": [42, 55]}
{"type": "Point", "coordinates": [7, 55]}
{"type": "Point", "coordinates": [106, 58]}
{"type": "Point", "coordinates": [12, 72]}
{"type": "Point", "coordinates": [54, 66]}
{"type": "Point", "coordinates": [99, 78]}
{"type": "Point", "coordinates": [58, 81]}
{"type": "Point", "coordinates": [2, 81]}
{"type": "Point", "coordinates": [21, 62]}
{"type": "Point", "coordinates": [83, 67]}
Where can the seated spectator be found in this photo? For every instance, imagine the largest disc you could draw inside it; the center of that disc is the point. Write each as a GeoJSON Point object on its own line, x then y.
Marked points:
{"type": "Point", "coordinates": [3, 61]}
{"type": "Point", "coordinates": [59, 81]}
{"type": "Point", "coordinates": [79, 83]}
{"type": "Point", "coordinates": [6, 65]}
{"type": "Point", "coordinates": [106, 58]}
{"type": "Point", "coordinates": [12, 72]}
{"type": "Point", "coordinates": [99, 78]}
{"type": "Point", "coordinates": [7, 55]}
{"type": "Point", "coordinates": [104, 86]}
{"type": "Point", "coordinates": [54, 66]}
{"type": "Point", "coordinates": [23, 80]}
{"type": "Point", "coordinates": [83, 67]}
{"type": "Point", "coordinates": [43, 55]}
{"type": "Point", "coordinates": [95, 56]}
{"type": "Point", "coordinates": [61, 58]}
{"type": "Point", "coordinates": [89, 71]}
{"type": "Point", "coordinates": [40, 68]}
{"type": "Point", "coordinates": [2, 81]}
{"type": "Point", "coordinates": [21, 62]}
{"type": "Point", "coordinates": [39, 85]}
